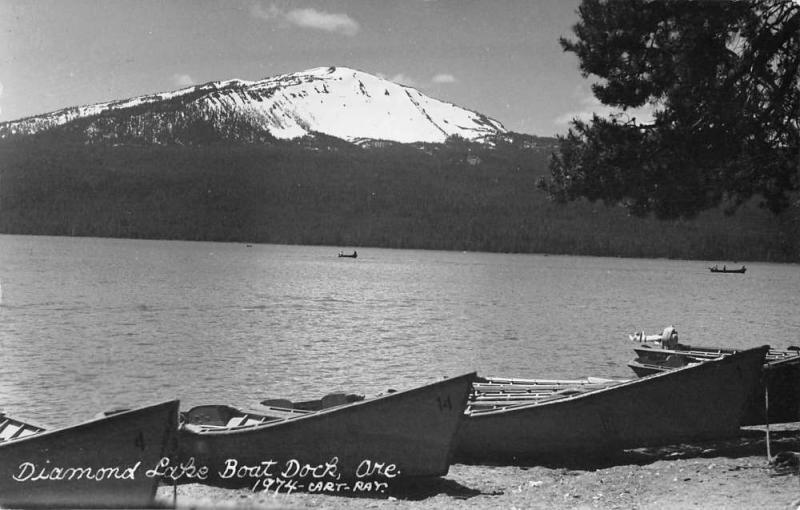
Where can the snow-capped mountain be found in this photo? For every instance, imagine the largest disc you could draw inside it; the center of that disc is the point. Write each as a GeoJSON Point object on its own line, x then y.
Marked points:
{"type": "Point", "coordinates": [336, 101]}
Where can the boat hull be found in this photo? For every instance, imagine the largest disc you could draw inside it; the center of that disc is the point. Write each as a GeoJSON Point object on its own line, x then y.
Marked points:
{"type": "Point", "coordinates": [688, 404]}
{"type": "Point", "coordinates": [414, 430]}
{"type": "Point", "coordinates": [131, 441]}
{"type": "Point", "coordinates": [780, 380]}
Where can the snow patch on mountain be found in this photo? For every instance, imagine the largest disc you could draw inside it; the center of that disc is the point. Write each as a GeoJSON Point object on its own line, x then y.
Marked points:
{"type": "Point", "coordinates": [337, 101]}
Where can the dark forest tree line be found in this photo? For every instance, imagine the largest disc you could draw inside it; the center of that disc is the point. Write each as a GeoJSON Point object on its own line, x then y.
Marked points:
{"type": "Point", "coordinates": [453, 197]}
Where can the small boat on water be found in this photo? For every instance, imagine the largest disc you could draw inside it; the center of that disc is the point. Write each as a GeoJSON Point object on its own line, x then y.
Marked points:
{"type": "Point", "coordinates": [353, 255]}
{"type": "Point", "coordinates": [412, 430]}
{"type": "Point", "coordinates": [724, 269]}
{"type": "Point", "coordinates": [99, 463]}
{"type": "Point", "coordinates": [531, 420]}
{"type": "Point", "coordinates": [781, 374]}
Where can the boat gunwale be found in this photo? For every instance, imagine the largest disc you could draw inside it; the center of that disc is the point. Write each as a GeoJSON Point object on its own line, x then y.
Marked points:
{"type": "Point", "coordinates": [772, 357]}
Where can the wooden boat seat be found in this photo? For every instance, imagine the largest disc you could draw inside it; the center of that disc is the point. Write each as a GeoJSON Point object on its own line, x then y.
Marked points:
{"type": "Point", "coordinates": [9, 430]}
{"type": "Point", "coordinates": [203, 428]}
{"type": "Point", "coordinates": [237, 422]}
{"type": "Point", "coordinates": [281, 413]}
{"type": "Point", "coordinates": [12, 429]}
{"type": "Point", "coordinates": [245, 421]}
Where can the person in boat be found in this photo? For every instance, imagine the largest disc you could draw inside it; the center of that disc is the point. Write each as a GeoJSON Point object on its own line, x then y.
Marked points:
{"type": "Point", "coordinates": [355, 254]}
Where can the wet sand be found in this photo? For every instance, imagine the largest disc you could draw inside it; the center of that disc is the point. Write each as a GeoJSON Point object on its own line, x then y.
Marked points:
{"type": "Point", "coordinates": [724, 474]}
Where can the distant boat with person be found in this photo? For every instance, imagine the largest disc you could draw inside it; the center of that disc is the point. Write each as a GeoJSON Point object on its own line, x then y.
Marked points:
{"type": "Point", "coordinates": [724, 269]}
{"type": "Point", "coordinates": [353, 255]}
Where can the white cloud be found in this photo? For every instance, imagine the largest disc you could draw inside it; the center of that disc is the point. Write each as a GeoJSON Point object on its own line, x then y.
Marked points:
{"type": "Point", "coordinates": [309, 18]}
{"type": "Point", "coordinates": [444, 78]}
{"type": "Point", "coordinates": [409, 81]}
{"type": "Point", "coordinates": [401, 78]}
{"type": "Point", "coordinates": [258, 11]}
{"type": "Point", "coordinates": [182, 80]}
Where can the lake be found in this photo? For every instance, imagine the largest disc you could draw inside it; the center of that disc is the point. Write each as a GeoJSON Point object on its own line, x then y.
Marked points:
{"type": "Point", "coordinates": [90, 324]}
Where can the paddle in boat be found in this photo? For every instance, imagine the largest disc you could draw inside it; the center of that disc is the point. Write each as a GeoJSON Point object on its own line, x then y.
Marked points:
{"type": "Point", "coordinates": [98, 463]}
{"type": "Point", "coordinates": [780, 380]}
{"type": "Point", "coordinates": [400, 435]}
{"type": "Point", "coordinates": [515, 420]}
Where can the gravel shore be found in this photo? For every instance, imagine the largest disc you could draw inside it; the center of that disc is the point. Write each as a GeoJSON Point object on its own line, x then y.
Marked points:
{"type": "Point", "coordinates": [725, 474]}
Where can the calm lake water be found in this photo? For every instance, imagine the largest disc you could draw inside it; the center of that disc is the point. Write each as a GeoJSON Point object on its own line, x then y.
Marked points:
{"type": "Point", "coordinates": [91, 324]}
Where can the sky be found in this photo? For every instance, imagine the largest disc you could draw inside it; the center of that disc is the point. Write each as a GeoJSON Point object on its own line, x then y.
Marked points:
{"type": "Point", "coordinates": [497, 57]}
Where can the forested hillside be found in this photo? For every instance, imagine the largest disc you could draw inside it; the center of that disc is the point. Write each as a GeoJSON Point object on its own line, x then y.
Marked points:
{"type": "Point", "coordinates": [456, 196]}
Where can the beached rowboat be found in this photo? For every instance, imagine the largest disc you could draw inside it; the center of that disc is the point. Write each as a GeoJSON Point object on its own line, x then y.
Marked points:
{"type": "Point", "coordinates": [780, 380]}
{"type": "Point", "coordinates": [652, 360]}
{"type": "Point", "coordinates": [99, 463]}
{"type": "Point", "coordinates": [413, 430]}
{"type": "Point", "coordinates": [781, 377]}
{"type": "Point", "coordinates": [687, 404]}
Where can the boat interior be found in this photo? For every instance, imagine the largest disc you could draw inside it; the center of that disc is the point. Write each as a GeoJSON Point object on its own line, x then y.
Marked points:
{"type": "Point", "coordinates": [216, 417]}
{"type": "Point", "coordinates": [11, 429]}
{"type": "Point", "coordinates": [329, 400]}
{"type": "Point", "coordinates": [493, 393]}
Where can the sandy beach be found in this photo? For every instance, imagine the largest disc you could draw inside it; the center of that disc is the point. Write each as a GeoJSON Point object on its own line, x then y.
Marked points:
{"type": "Point", "coordinates": [725, 474]}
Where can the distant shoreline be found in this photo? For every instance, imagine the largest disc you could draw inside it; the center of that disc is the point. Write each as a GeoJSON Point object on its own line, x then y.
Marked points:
{"type": "Point", "coordinates": [365, 249]}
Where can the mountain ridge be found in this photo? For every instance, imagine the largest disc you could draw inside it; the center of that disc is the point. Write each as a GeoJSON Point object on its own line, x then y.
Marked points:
{"type": "Point", "coordinates": [335, 101]}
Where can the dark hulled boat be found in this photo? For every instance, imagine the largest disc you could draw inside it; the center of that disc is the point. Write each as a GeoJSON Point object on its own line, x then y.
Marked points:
{"type": "Point", "coordinates": [413, 430]}
{"type": "Point", "coordinates": [99, 463]}
{"type": "Point", "coordinates": [780, 379]}
{"type": "Point", "coordinates": [686, 404]}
